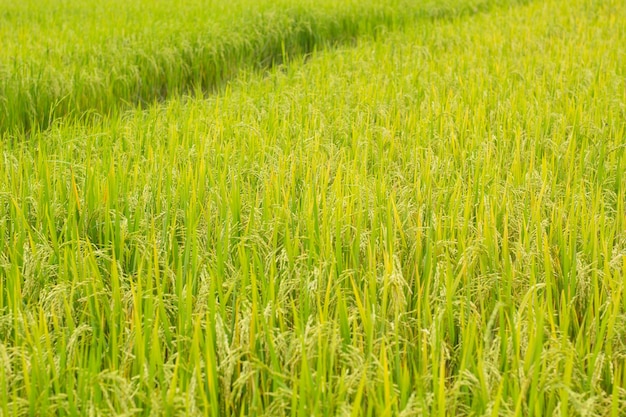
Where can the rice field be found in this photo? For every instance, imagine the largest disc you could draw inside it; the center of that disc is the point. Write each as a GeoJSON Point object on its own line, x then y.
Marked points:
{"type": "Point", "coordinates": [313, 208]}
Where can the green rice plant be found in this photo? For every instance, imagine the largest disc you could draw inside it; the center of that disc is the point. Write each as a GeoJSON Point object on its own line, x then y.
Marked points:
{"type": "Point", "coordinates": [91, 59]}
{"type": "Point", "coordinates": [430, 222]}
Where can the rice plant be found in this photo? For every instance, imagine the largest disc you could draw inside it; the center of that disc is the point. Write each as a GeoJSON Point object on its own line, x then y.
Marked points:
{"type": "Point", "coordinates": [429, 219]}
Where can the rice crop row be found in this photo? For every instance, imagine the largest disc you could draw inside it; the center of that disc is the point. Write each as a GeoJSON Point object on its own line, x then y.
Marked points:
{"type": "Point", "coordinates": [64, 58]}
{"type": "Point", "coordinates": [432, 222]}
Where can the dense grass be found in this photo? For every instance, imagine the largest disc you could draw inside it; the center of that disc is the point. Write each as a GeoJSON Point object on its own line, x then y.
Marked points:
{"type": "Point", "coordinates": [91, 59]}
{"type": "Point", "coordinates": [429, 222]}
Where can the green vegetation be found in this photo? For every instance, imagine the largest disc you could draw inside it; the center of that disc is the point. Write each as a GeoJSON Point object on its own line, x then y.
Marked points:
{"type": "Point", "coordinates": [73, 58]}
{"type": "Point", "coordinates": [430, 220]}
